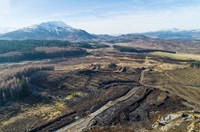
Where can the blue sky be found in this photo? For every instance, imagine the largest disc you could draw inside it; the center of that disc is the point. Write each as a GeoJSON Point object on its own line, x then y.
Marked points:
{"type": "Point", "coordinates": [104, 16]}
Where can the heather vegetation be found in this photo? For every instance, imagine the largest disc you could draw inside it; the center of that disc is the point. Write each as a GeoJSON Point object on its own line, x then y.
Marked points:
{"type": "Point", "coordinates": [122, 83]}
{"type": "Point", "coordinates": [117, 83]}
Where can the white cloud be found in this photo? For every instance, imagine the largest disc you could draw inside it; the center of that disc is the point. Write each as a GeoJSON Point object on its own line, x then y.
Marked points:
{"type": "Point", "coordinates": [185, 18]}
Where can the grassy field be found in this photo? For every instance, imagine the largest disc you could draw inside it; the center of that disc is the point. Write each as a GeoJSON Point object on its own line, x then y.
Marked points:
{"type": "Point", "coordinates": [180, 56]}
{"type": "Point", "coordinates": [84, 84]}
{"type": "Point", "coordinates": [29, 115]}
{"type": "Point", "coordinates": [182, 82]}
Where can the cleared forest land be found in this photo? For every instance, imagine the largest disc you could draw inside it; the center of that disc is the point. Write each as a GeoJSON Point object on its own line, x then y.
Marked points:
{"type": "Point", "coordinates": [105, 90]}
{"type": "Point", "coordinates": [183, 82]}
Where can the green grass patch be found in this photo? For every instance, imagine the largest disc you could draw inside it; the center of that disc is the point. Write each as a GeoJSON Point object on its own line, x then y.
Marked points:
{"type": "Point", "coordinates": [75, 95]}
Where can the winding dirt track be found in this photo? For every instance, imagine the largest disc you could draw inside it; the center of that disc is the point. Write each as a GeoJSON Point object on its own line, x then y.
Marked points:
{"type": "Point", "coordinates": [82, 123]}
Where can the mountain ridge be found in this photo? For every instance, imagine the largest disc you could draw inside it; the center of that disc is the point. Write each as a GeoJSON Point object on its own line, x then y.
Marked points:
{"type": "Point", "coordinates": [58, 30]}
{"type": "Point", "coordinates": [174, 33]}
{"type": "Point", "coordinates": [49, 31]}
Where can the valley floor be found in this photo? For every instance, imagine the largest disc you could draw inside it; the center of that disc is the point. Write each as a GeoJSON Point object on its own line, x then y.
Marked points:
{"type": "Point", "coordinates": [107, 90]}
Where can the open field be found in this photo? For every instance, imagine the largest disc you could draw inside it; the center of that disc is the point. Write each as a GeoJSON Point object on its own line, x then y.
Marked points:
{"type": "Point", "coordinates": [183, 82]}
{"type": "Point", "coordinates": [179, 46]}
{"type": "Point", "coordinates": [180, 56]}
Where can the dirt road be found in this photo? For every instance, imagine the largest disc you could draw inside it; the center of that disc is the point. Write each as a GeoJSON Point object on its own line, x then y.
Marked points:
{"type": "Point", "coordinates": [82, 123]}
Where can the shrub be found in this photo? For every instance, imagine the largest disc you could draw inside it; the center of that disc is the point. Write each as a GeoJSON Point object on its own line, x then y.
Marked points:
{"type": "Point", "coordinates": [112, 65]}
{"type": "Point", "coordinates": [195, 64]}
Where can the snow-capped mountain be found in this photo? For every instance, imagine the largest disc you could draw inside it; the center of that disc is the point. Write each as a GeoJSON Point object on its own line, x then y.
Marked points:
{"type": "Point", "coordinates": [174, 33]}
{"type": "Point", "coordinates": [49, 30]}
{"type": "Point", "coordinates": [58, 30]}
{"type": "Point", "coordinates": [53, 26]}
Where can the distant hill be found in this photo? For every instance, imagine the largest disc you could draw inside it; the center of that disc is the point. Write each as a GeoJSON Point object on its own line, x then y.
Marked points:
{"type": "Point", "coordinates": [58, 30]}
{"type": "Point", "coordinates": [174, 34]}
{"type": "Point", "coordinates": [48, 31]}
{"type": "Point", "coordinates": [121, 38]}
